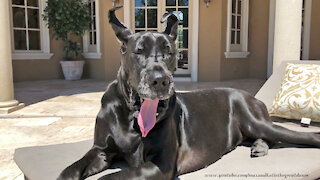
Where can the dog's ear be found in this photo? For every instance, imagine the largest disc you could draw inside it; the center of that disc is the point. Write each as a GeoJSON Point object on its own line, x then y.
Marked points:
{"type": "Point", "coordinates": [123, 33]}
{"type": "Point", "coordinates": [172, 25]}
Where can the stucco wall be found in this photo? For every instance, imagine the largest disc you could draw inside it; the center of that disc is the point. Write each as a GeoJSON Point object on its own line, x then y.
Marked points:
{"type": "Point", "coordinates": [255, 65]}
{"type": "Point", "coordinates": [209, 41]}
{"type": "Point", "coordinates": [212, 65]}
{"type": "Point", "coordinates": [111, 46]}
{"type": "Point", "coordinates": [258, 38]}
{"type": "Point", "coordinates": [230, 68]}
{"type": "Point", "coordinates": [314, 52]}
{"type": "Point", "coordinates": [30, 70]}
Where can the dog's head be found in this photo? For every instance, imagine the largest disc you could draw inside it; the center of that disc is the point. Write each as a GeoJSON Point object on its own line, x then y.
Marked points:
{"type": "Point", "coordinates": [148, 58]}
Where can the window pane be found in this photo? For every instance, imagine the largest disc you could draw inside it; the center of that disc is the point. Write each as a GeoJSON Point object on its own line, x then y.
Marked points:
{"type": "Point", "coordinates": [34, 40]}
{"type": "Point", "coordinates": [239, 7]}
{"type": "Point", "coordinates": [238, 37]}
{"type": "Point", "coordinates": [140, 18]}
{"type": "Point", "coordinates": [233, 22]}
{"type": "Point", "coordinates": [171, 10]}
{"type": "Point", "coordinates": [33, 3]}
{"type": "Point", "coordinates": [20, 42]}
{"type": "Point", "coordinates": [152, 3]}
{"type": "Point", "coordinates": [183, 59]}
{"type": "Point", "coordinates": [137, 31]}
{"type": "Point", "coordinates": [171, 2]}
{"type": "Point", "coordinates": [185, 39]}
{"type": "Point", "coordinates": [183, 3]}
{"type": "Point", "coordinates": [234, 6]}
{"type": "Point", "coordinates": [139, 3]}
{"type": "Point", "coordinates": [18, 2]}
{"type": "Point", "coordinates": [233, 35]}
{"type": "Point", "coordinates": [33, 18]}
{"type": "Point", "coordinates": [95, 38]}
{"type": "Point", "coordinates": [239, 22]}
{"type": "Point", "coordinates": [90, 34]}
{"type": "Point", "coordinates": [182, 37]}
{"type": "Point", "coordinates": [94, 23]}
{"type": "Point", "coordinates": [152, 18]}
{"type": "Point", "coordinates": [18, 17]}
{"type": "Point", "coordinates": [183, 16]}
{"type": "Point", "coordinates": [94, 8]}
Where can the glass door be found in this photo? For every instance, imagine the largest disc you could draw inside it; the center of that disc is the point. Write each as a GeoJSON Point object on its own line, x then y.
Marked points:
{"type": "Point", "coordinates": [147, 15]}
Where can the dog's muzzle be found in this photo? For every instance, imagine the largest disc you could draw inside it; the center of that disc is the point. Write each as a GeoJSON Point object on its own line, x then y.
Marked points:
{"type": "Point", "coordinates": [159, 82]}
{"type": "Point", "coordinates": [156, 84]}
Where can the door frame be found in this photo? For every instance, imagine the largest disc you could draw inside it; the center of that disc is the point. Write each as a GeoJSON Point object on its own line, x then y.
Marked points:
{"type": "Point", "coordinates": [194, 33]}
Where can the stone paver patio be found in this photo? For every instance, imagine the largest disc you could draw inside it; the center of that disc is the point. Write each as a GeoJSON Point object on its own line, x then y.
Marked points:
{"type": "Point", "coordinates": [59, 111]}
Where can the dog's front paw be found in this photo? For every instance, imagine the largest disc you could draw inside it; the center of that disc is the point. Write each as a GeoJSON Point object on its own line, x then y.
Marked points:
{"type": "Point", "coordinates": [69, 175]}
{"type": "Point", "coordinates": [259, 148]}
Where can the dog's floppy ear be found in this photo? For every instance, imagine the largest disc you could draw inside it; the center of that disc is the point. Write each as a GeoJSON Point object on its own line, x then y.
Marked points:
{"type": "Point", "coordinates": [120, 30]}
{"type": "Point", "coordinates": [172, 25]}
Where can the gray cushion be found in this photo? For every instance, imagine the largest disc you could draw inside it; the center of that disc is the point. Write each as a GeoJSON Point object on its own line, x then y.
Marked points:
{"type": "Point", "coordinates": [46, 162]}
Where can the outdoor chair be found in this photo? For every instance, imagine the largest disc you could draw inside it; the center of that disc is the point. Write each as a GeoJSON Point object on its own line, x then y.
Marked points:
{"type": "Point", "coordinates": [291, 162]}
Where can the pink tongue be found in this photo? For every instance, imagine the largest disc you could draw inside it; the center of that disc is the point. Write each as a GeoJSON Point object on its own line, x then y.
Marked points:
{"type": "Point", "coordinates": [147, 116]}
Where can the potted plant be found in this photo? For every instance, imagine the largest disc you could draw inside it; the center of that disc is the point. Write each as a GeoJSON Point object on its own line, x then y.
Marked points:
{"type": "Point", "coordinates": [69, 19]}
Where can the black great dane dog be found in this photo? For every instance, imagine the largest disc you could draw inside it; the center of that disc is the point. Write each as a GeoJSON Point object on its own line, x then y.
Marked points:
{"type": "Point", "coordinates": [162, 134]}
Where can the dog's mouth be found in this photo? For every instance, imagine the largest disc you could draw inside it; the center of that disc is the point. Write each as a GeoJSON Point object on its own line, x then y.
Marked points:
{"type": "Point", "coordinates": [151, 110]}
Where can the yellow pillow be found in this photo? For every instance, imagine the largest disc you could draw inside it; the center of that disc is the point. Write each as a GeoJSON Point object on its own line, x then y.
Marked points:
{"type": "Point", "coordinates": [299, 93]}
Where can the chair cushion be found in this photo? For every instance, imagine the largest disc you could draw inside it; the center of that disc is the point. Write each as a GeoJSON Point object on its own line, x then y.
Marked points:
{"type": "Point", "coordinates": [299, 94]}
{"type": "Point", "coordinates": [271, 87]}
{"type": "Point", "coordinates": [46, 162]}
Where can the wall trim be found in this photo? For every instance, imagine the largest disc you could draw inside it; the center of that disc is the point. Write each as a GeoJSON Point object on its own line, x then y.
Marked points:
{"type": "Point", "coordinates": [195, 41]}
{"type": "Point", "coordinates": [236, 54]}
{"type": "Point", "coordinates": [90, 54]}
{"type": "Point", "coordinates": [306, 29]}
{"type": "Point", "coordinates": [195, 33]}
{"type": "Point", "coordinates": [230, 52]}
{"type": "Point", "coordinates": [272, 15]}
{"type": "Point", "coordinates": [31, 56]}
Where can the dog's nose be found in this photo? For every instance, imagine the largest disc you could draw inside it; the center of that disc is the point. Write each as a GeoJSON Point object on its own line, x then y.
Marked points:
{"type": "Point", "coordinates": [159, 81]}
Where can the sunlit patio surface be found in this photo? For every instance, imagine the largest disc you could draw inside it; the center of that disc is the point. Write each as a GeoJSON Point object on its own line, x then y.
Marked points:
{"type": "Point", "coordinates": [59, 111]}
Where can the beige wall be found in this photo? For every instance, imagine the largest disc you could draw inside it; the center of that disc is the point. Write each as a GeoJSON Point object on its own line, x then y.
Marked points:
{"type": "Point", "coordinates": [212, 65]}
{"type": "Point", "coordinates": [258, 38]}
{"type": "Point", "coordinates": [209, 41]}
{"type": "Point", "coordinates": [110, 45]}
{"type": "Point", "coordinates": [230, 68]}
{"type": "Point", "coordinates": [30, 70]}
{"type": "Point", "coordinates": [255, 65]}
{"type": "Point", "coordinates": [314, 52]}
{"type": "Point", "coordinates": [212, 43]}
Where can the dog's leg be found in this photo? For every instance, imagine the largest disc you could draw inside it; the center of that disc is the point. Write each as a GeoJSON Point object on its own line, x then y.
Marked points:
{"type": "Point", "coordinates": [147, 171]}
{"type": "Point", "coordinates": [259, 148]}
{"type": "Point", "coordinates": [93, 162]}
{"type": "Point", "coordinates": [160, 167]}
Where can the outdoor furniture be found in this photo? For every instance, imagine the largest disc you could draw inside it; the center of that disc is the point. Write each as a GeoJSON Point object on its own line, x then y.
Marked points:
{"type": "Point", "coordinates": [46, 162]}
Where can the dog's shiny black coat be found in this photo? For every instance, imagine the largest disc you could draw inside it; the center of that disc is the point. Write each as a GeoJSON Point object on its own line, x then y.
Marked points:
{"type": "Point", "coordinates": [193, 129]}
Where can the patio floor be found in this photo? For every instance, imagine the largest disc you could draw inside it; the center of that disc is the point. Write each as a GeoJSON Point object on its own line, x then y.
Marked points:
{"type": "Point", "coordinates": [59, 111]}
